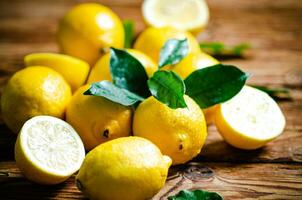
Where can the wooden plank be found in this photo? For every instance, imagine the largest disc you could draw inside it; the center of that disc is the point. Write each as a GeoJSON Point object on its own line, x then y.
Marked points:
{"type": "Point", "coordinates": [232, 181]}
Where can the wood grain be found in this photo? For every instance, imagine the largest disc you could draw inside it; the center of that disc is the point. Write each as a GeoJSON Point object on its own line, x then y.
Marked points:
{"type": "Point", "coordinates": [272, 27]}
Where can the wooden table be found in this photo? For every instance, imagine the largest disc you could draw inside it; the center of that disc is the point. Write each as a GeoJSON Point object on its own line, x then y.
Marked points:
{"type": "Point", "coordinates": [272, 27]}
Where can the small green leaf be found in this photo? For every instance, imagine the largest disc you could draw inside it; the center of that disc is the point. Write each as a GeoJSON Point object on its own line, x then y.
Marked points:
{"type": "Point", "coordinates": [113, 93]}
{"type": "Point", "coordinates": [216, 84]}
{"type": "Point", "coordinates": [276, 93]}
{"type": "Point", "coordinates": [129, 33]}
{"type": "Point", "coordinates": [168, 88]}
{"type": "Point", "coordinates": [196, 195]}
{"type": "Point", "coordinates": [128, 73]}
{"type": "Point", "coordinates": [220, 50]}
{"type": "Point", "coordinates": [173, 52]}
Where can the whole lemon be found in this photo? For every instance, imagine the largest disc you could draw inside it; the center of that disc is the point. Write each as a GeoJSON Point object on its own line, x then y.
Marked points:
{"type": "Point", "coordinates": [129, 168]}
{"type": "Point", "coordinates": [89, 28]}
{"type": "Point", "coordinates": [97, 119]}
{"type": "Point", "coordinates": [179, 133]}
{"type": "Point", "coordinates": [189, 64]}
{"type": "Point", "coordinates": [151, 40]}
{"type": "Point", "coordinates": [34, 91]}
{"type": "Point", "coordinates": [101, 70]}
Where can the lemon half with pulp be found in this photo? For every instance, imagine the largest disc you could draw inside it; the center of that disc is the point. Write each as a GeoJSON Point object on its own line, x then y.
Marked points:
{"type": "Point", "coordinates": [250, 119]}
{"type": "Point", "coordinates": [48, 150]}
{"type": "Point", "coordinates": [188, 15]}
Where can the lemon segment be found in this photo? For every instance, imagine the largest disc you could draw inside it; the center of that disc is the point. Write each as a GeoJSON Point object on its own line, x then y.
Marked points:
{"type": "Point", "coordinates": [101, 70]}
{"type": "Point", "coordinates": [74, 70]}
{"type": "Point", "coordinates": [48, 150]}
{"type": "Point", "coordinates": [250, 119]}
{"type": "Point", "coordinates": [188, 15]}
{"type": "Point", "coordinates": [128, 168]}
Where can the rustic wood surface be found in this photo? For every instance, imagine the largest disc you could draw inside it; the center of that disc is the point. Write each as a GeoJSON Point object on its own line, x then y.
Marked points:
{"type": "Point", "coordinates": [272, 27]}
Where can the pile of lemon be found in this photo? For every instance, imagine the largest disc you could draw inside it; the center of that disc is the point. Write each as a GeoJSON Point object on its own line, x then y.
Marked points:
{"type": "Point", "coordinates": [131, 149]}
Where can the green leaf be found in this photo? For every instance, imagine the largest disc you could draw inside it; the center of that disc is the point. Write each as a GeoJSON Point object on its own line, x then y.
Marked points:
{"type": "Point", "coordinates": [216, 84]}
{"type": "Point", "coordinates": [168, 88]}
{"type": "Point", "coordinates": [275, 92]}
{"type": "Point", "coordinates": [128, 73]}
{"type": "Point", "coordinates": [221, 50]}
{"type": "Point", "coordinates": [196, 195]}
{"type": "Point", "coordinates": [173, 52]}
{"type": "Point", "coordinates": [129, 33]}
{"type": "Point", "coordinates": [113, 93]}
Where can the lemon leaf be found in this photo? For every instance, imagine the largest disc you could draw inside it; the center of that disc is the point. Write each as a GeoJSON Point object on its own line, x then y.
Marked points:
{"type": "Point", "coordinates": [168, 88]}
{"type": "Point", "coordinates": [113, 93]}
{"type": "Point", "coordinates": [220, 50]}
{"type": "Point", "coordinates": [129, 32]}
{"type": "Point", "coordinates": [173, 52]}
{"type": "Point", "coordinates": [216, 84]}
{"type": "Point", "coordinates": [128, 73]}
{"type": "Point", "coordinates": [275, 92]}
{"type": "Point", "coordinates": [196, 195]}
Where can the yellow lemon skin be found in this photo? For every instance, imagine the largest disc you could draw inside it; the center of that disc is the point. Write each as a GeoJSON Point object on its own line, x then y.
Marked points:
{"type": "Point", "coordinates": [179, 133]}
{"type": "Point", "coordinates": [34, 91]}
{"type": "Point", "coordinates": [129, 168]}
{"type": "Point", "coordinates": [89, 28]}
{"type": "Point", "coordinates": [74, 70]}
{"type": "Point", "coordinates": [97, 119]}
{"type": "Point", "coordinates": [151, 40]}
{"type": "Point", "coordinates": [190, 63]}
{"type": "Point", "coordinates": [101, 70]}
{"type": "Point", "coordinates": [260, 119]}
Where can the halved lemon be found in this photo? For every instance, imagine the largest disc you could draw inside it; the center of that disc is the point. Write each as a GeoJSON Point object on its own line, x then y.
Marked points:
{"type": "Point", "coordinates": [74, 70]}
{"type": "Point", "coordinates": [188, 15]}
{"type": "Point", "coordinates": [250, 119]}
{"type": "Point", "coordinates": [48, 150]}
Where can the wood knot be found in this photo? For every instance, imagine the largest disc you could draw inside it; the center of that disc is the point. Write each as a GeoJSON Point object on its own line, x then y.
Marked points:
{"type": "Point", "coordinates": [198, 172]}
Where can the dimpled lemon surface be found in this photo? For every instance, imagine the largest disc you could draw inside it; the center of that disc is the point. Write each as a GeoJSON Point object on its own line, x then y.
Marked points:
{"type": "Point", "coordinates": [250, 119]}
{"type": "Point", "coordinates": [128, 168]}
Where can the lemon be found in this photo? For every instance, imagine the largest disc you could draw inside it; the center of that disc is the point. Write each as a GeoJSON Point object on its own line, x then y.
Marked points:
{"type": "Point", "coordinates": [151, 40]}
{"type": "Point", "coordinates": [88, 29]}
{"type": "Point", "coordinates": [48, 150]}
{"type": "Point", "coordinates": [179, 133]}
{"type": "Point", "coordinates": [74, 70]}
{"type": "Point", "coordinates": [101, 70]}
{"type": "Point", "coordinates": [97, 119]}
{"type": "Point", "coordinates": [250, 119]}
{"type": "Point", "coordinates": [189, 64]}
{"type": "Point", "coordinates": [192, 62]}
{"type": "Point", "coordinates": [34, 91]}
{"type": "Point", "coordinates": [189, 15]}
{"type": "Point", "coordinates": [129, 168]}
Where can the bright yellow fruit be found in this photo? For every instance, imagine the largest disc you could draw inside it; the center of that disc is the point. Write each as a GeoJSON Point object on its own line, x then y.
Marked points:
{"type": "Point", "coordinates": [88, 29]}
{"type": "Point", "coordinates": [101, 70]}
{"type": "Point", "coordinates": [74, 70]}
{"type": "Point", "coordinates": [250, 119]}
{"type": "Point", "coordinates": [151, 40]}
{"type": "Point", "coordinates": [48, 150]}
{"type": "Point", "coordinates": [179, 133]}
{"type": "Point", "coordinates": [97, 119]}
{"type": "Point", "coordinates": [189, 64]}
{"type": "Point", "coordinates": [189, 15]}
{"type": "Point", "coordinates": [34, 91]}
{"type": "Point", "coordinates": [129, 168]}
